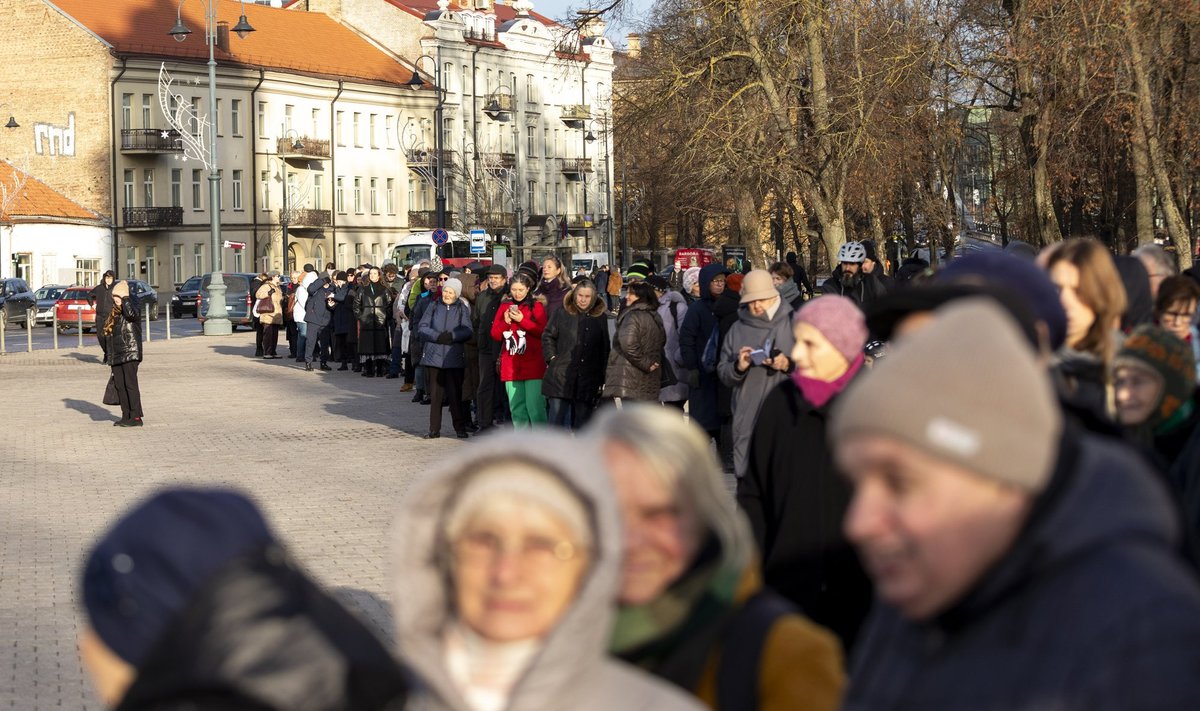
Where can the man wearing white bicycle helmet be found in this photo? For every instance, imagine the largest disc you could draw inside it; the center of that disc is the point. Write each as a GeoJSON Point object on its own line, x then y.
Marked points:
{"type": "Point", "coordinates": [851, 281]}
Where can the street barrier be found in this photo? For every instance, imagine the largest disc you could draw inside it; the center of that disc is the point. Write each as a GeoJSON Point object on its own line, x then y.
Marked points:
{"type": "Point", "coordinates": [3, 327]}
{"type": "Point", "coordinates": [79, 316]}
{"type": "Point", "coordinates": [54, 327]}
{"type": "Point", "coordinates": [29, 314]}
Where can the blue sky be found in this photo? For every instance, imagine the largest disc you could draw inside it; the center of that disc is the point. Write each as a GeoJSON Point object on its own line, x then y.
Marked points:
{"type": "Point", "coordinates": [560, 9]}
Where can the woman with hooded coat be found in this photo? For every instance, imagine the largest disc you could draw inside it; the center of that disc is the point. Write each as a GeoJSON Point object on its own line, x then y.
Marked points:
{"type": "Point", "coordinates": [699, 348]}
{"type": "Point", "coordinates": [506, 562]}
{"type": "Point", "coordinates": [634, 367]}
{"type": "Point", "coordinates": [575, 346]}
{"type": "Point", "coordinates": [672, 310]}
{"type": "Point", "coordinates": [792, 493]}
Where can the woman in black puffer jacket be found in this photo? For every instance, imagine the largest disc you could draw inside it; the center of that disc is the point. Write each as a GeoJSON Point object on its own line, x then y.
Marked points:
{"type": "Point", "coordinates": [122, 331]}
{"type": "Point", "coordinates": [575, 345]}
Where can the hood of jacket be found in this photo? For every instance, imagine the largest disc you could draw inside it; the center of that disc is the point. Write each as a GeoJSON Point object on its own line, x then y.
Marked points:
{"type": "Point", "coordinates": [1100, 494]}
{"type": "Point", "coordinates": [297, 648]}
{"type": "Point", "coordinates": [597, 309]}
{"type": "Point", "coordinates": [423, 596]}
{"type": "Point", "coordinates": [707, 273]}
{"type": "Point", "coordinates": [309, 278]}
{"type": "Point", "coordinates": [670, 297]}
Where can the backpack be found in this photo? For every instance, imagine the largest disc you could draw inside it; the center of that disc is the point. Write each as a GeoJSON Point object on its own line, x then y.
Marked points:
{"type": "Point", "coordinates": [742, 647]}
{"type": "Point", "coordinates": [708, 360]}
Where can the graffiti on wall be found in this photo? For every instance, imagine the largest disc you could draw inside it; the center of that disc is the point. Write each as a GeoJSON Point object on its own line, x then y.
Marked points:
{"type": "Point", "coordinates": [49, 139]}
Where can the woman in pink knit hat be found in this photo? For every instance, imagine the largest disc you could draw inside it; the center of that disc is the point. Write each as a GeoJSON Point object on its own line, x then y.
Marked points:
{"type": "Point", "coordinates": [792, 493]}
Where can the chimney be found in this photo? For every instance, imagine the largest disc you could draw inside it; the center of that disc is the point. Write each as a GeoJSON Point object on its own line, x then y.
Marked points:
{"type": "Point", "coordinates": [223, 37]}
{"type": "Point", "coordinates": [591, 23]}
{"type": "Point", "coordinates": [633, 46]}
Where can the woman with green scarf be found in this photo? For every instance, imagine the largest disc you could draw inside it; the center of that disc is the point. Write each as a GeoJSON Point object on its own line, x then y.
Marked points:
{"type": "Point", "coordinates": [693, 610]}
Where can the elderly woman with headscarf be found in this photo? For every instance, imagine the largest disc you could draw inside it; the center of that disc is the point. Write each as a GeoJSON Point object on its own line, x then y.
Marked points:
{"type": "Point", "coordinates": [506, 564]}
{"type": "Point", "coordinates": [693, 609]}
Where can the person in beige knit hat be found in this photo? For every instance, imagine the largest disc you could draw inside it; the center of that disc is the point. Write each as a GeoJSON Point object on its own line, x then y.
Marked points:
{"type": "Point", "coordinates": [1018, 563]}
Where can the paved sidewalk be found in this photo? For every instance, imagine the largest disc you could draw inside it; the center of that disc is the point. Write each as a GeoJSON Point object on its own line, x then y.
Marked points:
{"type": "Point", "coordinates": [327, 455]}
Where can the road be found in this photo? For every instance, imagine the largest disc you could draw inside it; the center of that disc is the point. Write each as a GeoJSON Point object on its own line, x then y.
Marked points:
{"type": "Point", "coordinates": [16, 339]}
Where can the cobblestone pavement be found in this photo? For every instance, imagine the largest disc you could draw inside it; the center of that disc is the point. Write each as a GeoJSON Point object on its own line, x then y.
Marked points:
{"type": "Point", "coordinates": [327, 455]}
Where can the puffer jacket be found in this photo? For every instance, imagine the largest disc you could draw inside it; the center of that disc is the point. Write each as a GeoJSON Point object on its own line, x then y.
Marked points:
{"type": "Point", "coordinates": [372, 303]}
{"type": "Point", "coordinates": [639, 342]}
{"type": "Point", "coordinates": [275, 315]}
{"type": "Point", "coordinates": [529, 365]}
{"type": "Point", "coordinates": [261, 636]}
{"type": "Point", "coordinates": [571, 669]}
{"type": "Point", "coordinates": [576, 347]}
{"type": "Point", "coordinates": [751, 387]}
{"type": "Point", "coordinates": [440, 317]}
{"type": "Point", "coordinates": [697, 327]}
{"type": "Point", "coordinates": [671, 325]}
{"type": "Point", "coordinates": [125, 341]}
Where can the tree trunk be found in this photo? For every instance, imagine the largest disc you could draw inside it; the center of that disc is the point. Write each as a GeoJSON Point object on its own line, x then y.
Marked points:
{"type": "Point", "coordinates": [1144, 191]}
{"type": "Point", "coordinates": [746, 226]}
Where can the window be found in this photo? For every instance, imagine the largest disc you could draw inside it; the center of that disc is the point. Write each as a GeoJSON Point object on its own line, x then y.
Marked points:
{"type": "Point", "coordinates": [317, 200]}
{"type": "Point", "coordinates": [557, 198]}
{"type": "Point", "coordinates": [128, 188]}
{"type": "Point", "coordinates": [391, 196]}
{"type": "Point", "coordinates": [198, 258]}
{"type": "Point", "coordinates": [546, 143]}
{"type": "Point", "coordinates": [87, 272]}
{"type": "Point", "coordinates": [237, 190]}
{"type": "Point", "coordinates": [530, 192]}
{"type": "Point", "coordinates": [151, 267]}
{"type": "Point", "coordinates": [412, 195]}
{"type": "Point", "coordinates": [195, 128]}
{"type": "Point", "coordinates": [290, 184]}
{"type": "Point", "coordinates": [126, 111]}
{"type": "Point", "coordinates": [264, 186]}
{"type": "Point", "coordinates": [371, 121]}
{"type": "Point", "coordinates": [197, 200]}
{"type": "Point", "coordinates": [288, 110]}
{"type": "Point", "coordinates": [340, 195]}
{"type": "Point", "coordinates": [148, 188]}
{"type": "Point", "coordinates": [319, 256]}
{"type": "Point", "coordinates": [173, 105]}
{"type": "Point", "coordinates": [355, 127]}
{"type": "Point", "coordinates": [546, 197]}
{"type": "Point", "coordinates": [447, 130]}
{"type": "Point", "coordinates": [176, 187]}
{"type": "Point", "coordinates": [131, 265]}
{"type": "Point", "coordinates": [531, 141]}
{"type": "Point", "coordinates": [374, 197]}
{"type": "Point", "coordinates": [316, 122]}
{"type": "Point", "coordinates": [216, 122]}
{"type": "Point", "coordinates": [339, 127]}
{"type": "Point", "coordinates": [147, 113]}
{"type": "Point", "coordinates": [239, 260]}
{"type": "Point", "coordinates": [530, 92]}
{"type": "Point", "coordinates": [177, 263]}
{"type": "Point", "coordinates": [557, 143]}
{"type": "Point", "coordinates": [358, 195]}
{"type": "Point", "coordinates": [262, 119]}
{"type": "Point", "coordinates": [358, 254]}
{"type": "Point", "coordinates": [387, 131]}
{"type": "Point", "coordinates": [235, 116]}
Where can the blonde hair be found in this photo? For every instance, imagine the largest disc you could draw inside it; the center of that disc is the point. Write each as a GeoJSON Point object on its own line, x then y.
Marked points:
{"type": "Point", "coordinates": [1100, 288]}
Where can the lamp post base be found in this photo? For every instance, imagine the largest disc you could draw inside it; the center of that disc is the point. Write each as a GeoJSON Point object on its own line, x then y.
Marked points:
{"type": "Point", "coordinates": [216, 320]}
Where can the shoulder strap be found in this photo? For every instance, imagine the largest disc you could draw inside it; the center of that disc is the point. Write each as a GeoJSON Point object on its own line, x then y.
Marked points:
{"type": "Point", "coordinates": [742, 648]}
{"type": "Point", "coordinates": [674, 307]}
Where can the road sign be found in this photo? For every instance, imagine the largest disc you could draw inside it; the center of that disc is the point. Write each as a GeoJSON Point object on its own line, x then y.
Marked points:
{"type": "Point", "coordinates": [479, 241]}
{"type": "Point", "coordinates": [440, 236]}
{"type": "Point", "coordinates": [234, 245]}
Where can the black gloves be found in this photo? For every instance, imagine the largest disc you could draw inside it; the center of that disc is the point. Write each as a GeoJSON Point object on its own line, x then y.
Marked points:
{"type": "Point", "coordinates": [445, 338]}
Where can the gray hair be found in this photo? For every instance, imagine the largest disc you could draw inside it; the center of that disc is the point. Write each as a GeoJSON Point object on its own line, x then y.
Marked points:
{"type": "Point", "coordinates": [1158, 256]}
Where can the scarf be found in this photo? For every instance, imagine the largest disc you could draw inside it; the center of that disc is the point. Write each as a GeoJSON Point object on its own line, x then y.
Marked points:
{"type": "Point", "coordinates": [818, 392]}
{"type": "Point", "coordinates": [485, 672]}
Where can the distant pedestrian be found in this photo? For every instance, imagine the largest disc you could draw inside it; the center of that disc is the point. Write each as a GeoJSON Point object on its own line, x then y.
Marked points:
{"type": "Point", "coordinates": [483, 315]}
{"type": "Point", "coordinates": [781, 277]}
{"type": "Point", "coordinates": [345, 326]}
{"type": "Point", "coordinates": [100, 298]}
{"type": "Point", "coordinates": [445, 327]}
{"type": "Point", "coordinates": [318, 315]}
{"type": "Point", "coordinates": [691, 284]}
{"type": "Point", "coordinates": [852, 280]}
{"type": "Point", "coordinates": [268, 307]}
{"type": "Point", "coordinates": [428, 292]}
{"type": "Point", "coordinates": [800, 275]}
{"type": "Point", "coordinates": [372, 309]}
{"type": "Point", "coordinates": [672, 310]}
{"type": "Point", "coordinates": [1175, 310]}
{"type": "Point", "coordinates": [518, 326]}
{"type": "Point", "coordinates": [609, 284]}
{"type": "Point", "coordinates": [122, 334]}
{"type": "Point", "coordinates": [255, 284]}
{"type": "Point", "coordinates": [575, 345]}
{"type": "Point", "coordinates": [300, 309]}
{"type": "Point", "coordinates": [635, 360]}
{"type": "Point", "coordinates": [291, 295]}
{"type": "Point", "coordinates": [700, 350]}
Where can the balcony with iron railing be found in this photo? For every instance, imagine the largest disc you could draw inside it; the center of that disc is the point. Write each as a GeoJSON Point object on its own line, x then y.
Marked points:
{"type": "Point", "coordinates": [152, 218]}
{"type": "Point", "coordinates": [575, 115]}
{"type": "Point", "coordinates": [424, 159]}
{"type": "Point", "coordinates": [300, 218]}
{"type": "Point", "coordinates": [575, 168]}
{"type": "Point", "coordinates": [150, 140]}
{"type": "Point", "coordinates": [427, 218]}
{"type": "Point", "coordinates": [498, 219]}
{"type": "Point", "coordinates": [303, 147]}
{"type": "Point", "coordinates": [498, 161]}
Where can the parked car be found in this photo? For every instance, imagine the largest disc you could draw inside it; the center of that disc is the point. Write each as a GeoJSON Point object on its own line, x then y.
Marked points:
{"type": "Point", "coordinates": [47, 297]}
{"type": "Point", "coordinates": [15, 300]}
{"type": "Point", "coordinates": [146, 296]}
{"type": "Point", "coordinates": [237, 298]}
{"type": "Point", "coordinates": [74, 309]}
{"type": "Point", "coordinates": [185, 297]}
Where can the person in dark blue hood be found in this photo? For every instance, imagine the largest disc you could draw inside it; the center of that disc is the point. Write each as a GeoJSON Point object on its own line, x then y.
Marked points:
{"type": "Point", "coordinates": [700, 347]}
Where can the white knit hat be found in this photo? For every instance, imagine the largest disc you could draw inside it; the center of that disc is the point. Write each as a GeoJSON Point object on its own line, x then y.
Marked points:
{"type": "Point", "coordinates": [530, 486]}
{"type": "Point", "coordinates": [453, 284]}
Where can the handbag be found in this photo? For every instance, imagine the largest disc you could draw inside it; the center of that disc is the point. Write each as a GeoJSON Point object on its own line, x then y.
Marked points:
{"type": "Point", "coordinates": [264, 305]}
{"type": "Point", "coordinates": [110, 392]}
{"type": "Point", "coordinates": [666, 369]}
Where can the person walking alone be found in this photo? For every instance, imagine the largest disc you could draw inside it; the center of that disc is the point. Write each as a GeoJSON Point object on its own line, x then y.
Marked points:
{"type": "Point", "coordinates": [122, 332]}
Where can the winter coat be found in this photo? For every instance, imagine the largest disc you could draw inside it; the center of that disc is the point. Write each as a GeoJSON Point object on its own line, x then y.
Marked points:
{"type": "Point", "coordinates": [796, 501]}
{"type": "Point", "coordinates": [791, 294]}
{"type": "Point", "coordinates": [751, 387]}
{"type": "Point", "coordinates": [865, 291]}
{"type": "Point", "coordinates": [372, 304]}
{"type": "Point", "coordinates": [275, 315]}
{"type": "Point", "coordinates": [555, 292]}
{"type": "Point", "coordinates": [726, 309]}
{"type": "Point", "coordinates": [529, 365]}
{"type": "Point", "coordinates": [639, 341]}
{"type": "Point", "coordinates": [470, 384]}
{"type": "Point", "coordinates": [416, 345]}
{"type": "Point", "coordinates": [101, 298]}
{"type": "Point", "coordinates": [344, 323]}
{"type": "Point", "coordinates": [439, 318]}
{"type": "Point", "coordinates": [316, 310]}
{"type": "Point", "coordinates": [671, 324]}
{"type": "Point", "coordinates": [125, 341]}
{"type": "Point", "coordinates": [483, 313]}
{"type": "Point", "coordinates": [694, 333]}
{"type": "Point", "coordinates": [261, 636]}
{"type": "Point", "coordinates": [571, 669]}
{"type": "Point", "coordinates": [613, 283]}
{"type": "Point", "coordinates": [1089, 609]}
{"type": "Point", "coordinates": [300, 307]}
{"type": "Point", "coordinates": [576, 346]}
{"type": "Point", "coordinates": [601, 281]}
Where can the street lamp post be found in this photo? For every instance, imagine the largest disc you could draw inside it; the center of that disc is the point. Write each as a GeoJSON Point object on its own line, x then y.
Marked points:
{"type": "Point", "coordinates": [216, 321]}
{"type": "Point", "coordinates": [416, 82]}
{"type": "Point", "coordinates": [590, 138]}
{"type": "Point", "coordinates": [497, 113]}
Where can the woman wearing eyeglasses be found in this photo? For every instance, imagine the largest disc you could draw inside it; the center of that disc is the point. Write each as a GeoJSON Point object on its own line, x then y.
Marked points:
{"type": "Point", "coordinates": [506, 566]}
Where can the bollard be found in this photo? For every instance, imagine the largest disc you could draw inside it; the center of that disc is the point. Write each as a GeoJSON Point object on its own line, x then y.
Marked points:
{"type": "Point", "coordinates": [79, 317]}
{"type": "Point", "coordinates": [54, 326]}
{"type": "Point", "coordinates": [168, 323]}
{"type": "Point", "coordinates": [3, 325]}
{"type": "Point", "coordinates": [29, 313]}
{"type": "Point", "coordinates": [147, 314]}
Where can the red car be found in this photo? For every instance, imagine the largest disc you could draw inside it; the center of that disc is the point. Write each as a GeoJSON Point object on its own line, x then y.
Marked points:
{"type": "Point", "coordinates": [73, 309]}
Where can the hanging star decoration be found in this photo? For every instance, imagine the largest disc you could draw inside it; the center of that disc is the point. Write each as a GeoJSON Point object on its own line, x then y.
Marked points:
{"type": "Point", "coordinates": [188, 125]}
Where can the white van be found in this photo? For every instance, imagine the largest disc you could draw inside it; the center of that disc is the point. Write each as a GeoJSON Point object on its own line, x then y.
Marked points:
{"type": "Point", "coordinates": [591, 261]}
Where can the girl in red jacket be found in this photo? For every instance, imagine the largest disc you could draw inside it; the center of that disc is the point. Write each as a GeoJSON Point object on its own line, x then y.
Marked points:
{"type": "Point", "coordinates": [518, 327]}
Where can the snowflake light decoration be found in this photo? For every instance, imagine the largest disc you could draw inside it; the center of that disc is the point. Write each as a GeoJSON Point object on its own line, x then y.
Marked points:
{"type": "Point", "coordinates": [186, 120]}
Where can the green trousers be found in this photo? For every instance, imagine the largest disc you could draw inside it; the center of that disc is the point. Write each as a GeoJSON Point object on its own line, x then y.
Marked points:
{"type": "Point", "coordinates": [525, 402]}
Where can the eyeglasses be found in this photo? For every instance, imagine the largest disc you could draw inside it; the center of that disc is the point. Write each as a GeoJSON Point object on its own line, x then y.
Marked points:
{"type": "Point", "coordinates": [1176, 316]}
{"type": "Point", "coordinates": [531, 552]}
{"type": "Point", "coordinates": [443, 278]}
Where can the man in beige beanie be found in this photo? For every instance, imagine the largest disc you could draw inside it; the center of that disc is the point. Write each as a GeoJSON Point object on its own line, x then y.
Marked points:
{"type": "Point", "coordinates": [1018, 564]}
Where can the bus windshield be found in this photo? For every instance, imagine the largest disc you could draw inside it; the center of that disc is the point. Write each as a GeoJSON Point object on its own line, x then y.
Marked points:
{"type": "Point", "coordinates": [410, 254]}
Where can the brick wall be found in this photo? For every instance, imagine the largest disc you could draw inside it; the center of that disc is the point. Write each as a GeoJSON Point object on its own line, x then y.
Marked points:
{"type": "Point", "coordinates": [57, 87]}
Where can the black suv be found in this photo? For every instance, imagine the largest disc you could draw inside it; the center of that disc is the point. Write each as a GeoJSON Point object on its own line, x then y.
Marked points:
{"type": "Point", "coordinates": [16, 298]}
{"type": "Point", "coordinates": [146, 296]}
{"type": "Point", "coordinates": [184, 300]}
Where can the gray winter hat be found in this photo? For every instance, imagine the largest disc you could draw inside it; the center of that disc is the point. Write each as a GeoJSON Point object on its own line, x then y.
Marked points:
{"type": "Point", "coordinates": [968, 390]}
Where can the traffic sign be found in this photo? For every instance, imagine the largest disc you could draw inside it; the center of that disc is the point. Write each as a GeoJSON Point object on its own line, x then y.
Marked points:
{"type": "Point", "coordinates": [440, 236]}
{"type": "Point", "coordinates": [234, 245]}
{"type": "Point", "coordinates": [478, 241]}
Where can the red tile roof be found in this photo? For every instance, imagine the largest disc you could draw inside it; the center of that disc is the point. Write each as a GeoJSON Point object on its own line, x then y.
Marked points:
{"type": "Point", "coordinates": [306, 42]}
{"type": "Point", "coordinates": [36, 199]}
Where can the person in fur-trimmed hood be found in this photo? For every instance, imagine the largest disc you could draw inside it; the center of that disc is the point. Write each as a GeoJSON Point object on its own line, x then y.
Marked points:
{"type": "Point", "coordinates": [575, 346]}
{"type": "Point", "coordinates": [518, 326]}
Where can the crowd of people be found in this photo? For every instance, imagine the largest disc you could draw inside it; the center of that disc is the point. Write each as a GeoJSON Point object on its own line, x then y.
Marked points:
{"type": "Point", "coordinates": [972, 487]}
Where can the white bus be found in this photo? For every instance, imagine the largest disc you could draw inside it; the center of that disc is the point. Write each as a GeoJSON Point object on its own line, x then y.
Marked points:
{"type": "Point", "coordinates": [456, 253]}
